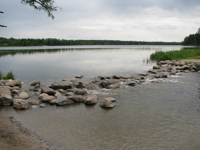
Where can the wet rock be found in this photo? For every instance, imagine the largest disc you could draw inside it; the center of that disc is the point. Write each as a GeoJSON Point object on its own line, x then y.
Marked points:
{"type": "Point", "coordinates": [156, 67]}
{"type": "Point", "coordinates": [21, 104]}
{"type": "Point", "coordinates": [105, 84]}
{"type": "Point", "coordinates": [23, 95]}
{"type": "Point", "coordinates": [48, 90]}
{"type": "Point", "coordinates": [126, 77]}
{"type": "Point", "coordinates": [41, 96]}
{"type": "Point", "coordinates": [35, 83]}
{"type": "Point", "coordinates": [58, 94]}
{"type": "Point", "coordinates": [62, 91]}
{"type": "Point", "coordinates": [14, 92]}
{"type": "Point", "coordinates": [52, 102]}
{"type": "Point", "coordinates": [80, 92]}
{"type": "Point", "coordinates": [47, 99]}
{"type": "Point", "coordinates": [33, 101]}
{"type": "Point", "coordinates": [77, 99]}
{"type": "Point", "coordinates": [61, 85]}
{"type": "Point", "coordinates": [131, 83]}
{"type": "Point", "coordinates": [5, 96]}
{"type": "Point", "coordinates": [79, 85]}
{"type": "Point", "coordinates": [93, 87]}
{"type": "Point", "coordinates": [14, 83]}
{"type": "Point", "coordinates": [107, 102]}
{"type": "Point", "coordinates": [42, 105]}
{"type": "Point", "coordinates": [62, 101]}
{"type": "Point", "coordinates": [116, 77]}
{"type": "Point", "coordinates": [113, 86]}
{"type": "Point", "coordinates": [91, 100]}
{"type": "Point", "coordinates": [84, 82]}
{"type": "Point", "coordinates": [79, 76]}
{"type": "Point", "coordinates": [152, 71]}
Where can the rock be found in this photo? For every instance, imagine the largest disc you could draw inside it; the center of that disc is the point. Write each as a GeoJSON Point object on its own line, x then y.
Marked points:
{"type": "Point", "coordinates": [14, 83]}
{"type": "Point", "coordinates": [37, 86]}
{"type": "Point", "coordinates": [107, 102]}
{"type": "Point", "coordinates": [93, 87]}
{"type": "Point", "coordinates": [79, 85]}
{"type": "Point", "coordinates": [53, 102]}
{"type": "Point", "coordinates": [42, 95]}
{"type": "Point", "coordinates": [21, 104]}
{"type": "Point", "coordinates": [23, 95]}
{"type": "Point", "coordinates": [152, 71]}
{"type": "Point", "coordinates": [14, 91]}
{"type": "Point", "coordinates": [62, 101]}
{"type": "Point", "coordinates": [80, 92]}
{"type": "Point", "coordinates": [61, 85]}
{"type": "Point", "coordinates": [131, 83]}
{"type": "Point", "coordinates": [91, 100]}
{"type": "Point", "coordinates": [35, 83]}
{"type": "Point", "coordinates": [33, 101]}
{"type": "Point", "coordinates": [42, 105]}
{"type": "Point", "coordinates": [77, 99]}
{"type": "Point", "coordinates": [58, 94]}
{"type": "Point", "coordinates": [71, 90]}
{"type": "Point", "coordinates": [156, 67]}
{"type": "Point", "coordinates": [5, 96]}
{"type": "Point", "coordinates": [69, 94]}
{"type": "Point", "coordinates": [116, 77]}
{"type": "Point", "coordinates": [48, 90]}
{"type": "Point", "coordinates": [84, 82]}
{"type": "Point", "coordinates": [105, 84]}
{"type": "Point", "coordinates": [163, 76]}
{"type": "Point", "coordinates": [113, 86]}
{"type": "Point", "coordinates": [37, 93]}
{"type": "Point", "coordinates": [47, 99]}
{"type": "Point", "coordinates": [126, 76]}
{"type": "Point", "coordinates": [62, 91]}
{"type": "Point", "coordinates": [79, 76]}
{"type": "Point", "coordinates": [142, 74]}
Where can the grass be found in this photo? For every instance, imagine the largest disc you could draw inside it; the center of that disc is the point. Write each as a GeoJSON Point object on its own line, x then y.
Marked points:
{"type": "Point", "coordinates": [176, 55]}
{"type": "Point", "coordinates": [9, 75]}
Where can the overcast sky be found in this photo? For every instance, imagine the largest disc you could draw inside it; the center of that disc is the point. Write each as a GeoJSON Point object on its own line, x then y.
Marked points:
{"type": "Point", "coordinates": [134, 20]}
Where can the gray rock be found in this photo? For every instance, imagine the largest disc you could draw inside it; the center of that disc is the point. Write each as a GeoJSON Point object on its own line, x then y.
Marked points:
{"type": "Point", "coordinates": [42, 95]}
{"type": "Point", "coordinates": [116, 77]}
{"type": "Point", "coordinates": [58, 94]}
{"type": "Point", "coordinates": [48, 90]}
{"type": "Point", "coordinates": [23, 95]}
{"type": "Point", "coordinates": [34, 101]}
{"type": "Point", "coordinates": [62, 85]}
{"type": "Point", "coordinates": [62, 101]}
{"type": "Point", "coordinates": [69, 94]}
{"type": "Point", "coordinates": [156, 67]}
{"type": "Point", "coordinates": [21, 104]}
{"type": "Point", "coordinates": [113, 86]}
{"type": "Point", "coordinates": [79, 76]}
{"type": "Point", "coordinates": [77, 99]}
{"type": "Point", "coordinates": [105, 84]}
{"type": "Point", "coordinates": [62, 91]}
{"type": "Point", "coordinates": [14, 83]}
{"type": "Point", "coordinates": [79, 85]}
{"type": "Point", "coordinates": [5, 96]}
{"type": "Point", "coordinates": [53, 102]}
{"type": "Point", "coordinates": [14, 92]}
{"type": "Point", "coordinates": [80, 92]}
{"type": "Point", "coordinates": [152, 71]}
{"type": "Point", "coordinates": [107, 102]}
{"type": "Point", "coordinates": [91, 100]}
{"type": "Point", "coordinates": [35, 83]}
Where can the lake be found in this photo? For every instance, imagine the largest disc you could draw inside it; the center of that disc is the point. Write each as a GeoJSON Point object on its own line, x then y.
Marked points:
{"type": "Point", "coordinates": [161, 115]}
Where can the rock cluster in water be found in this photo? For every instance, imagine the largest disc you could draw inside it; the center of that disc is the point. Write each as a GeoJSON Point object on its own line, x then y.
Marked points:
{"type": "Point", "coordinates": [77, 91]}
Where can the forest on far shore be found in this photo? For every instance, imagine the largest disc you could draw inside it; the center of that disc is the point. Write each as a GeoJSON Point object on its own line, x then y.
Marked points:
{"type": "Point", "coordinates": [54, 41]}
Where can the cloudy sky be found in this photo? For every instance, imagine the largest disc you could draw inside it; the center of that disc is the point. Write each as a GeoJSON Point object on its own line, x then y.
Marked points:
{"type": "Point", "coordinates": [137, 20]}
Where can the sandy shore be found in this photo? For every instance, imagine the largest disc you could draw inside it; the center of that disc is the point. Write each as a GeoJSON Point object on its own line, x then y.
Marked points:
{"type": "Point", "coordinates": [13, 136]}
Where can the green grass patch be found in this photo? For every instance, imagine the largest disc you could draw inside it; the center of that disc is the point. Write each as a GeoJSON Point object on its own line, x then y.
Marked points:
{"type": "Point", "coordinates": [9, 75]}
{"type": "Point", "coordinates": [176, 55]}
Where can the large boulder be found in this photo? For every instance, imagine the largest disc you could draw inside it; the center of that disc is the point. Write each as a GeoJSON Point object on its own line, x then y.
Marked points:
{"type": "Point", "coordinates": [77, 99]}
{"type": "Point", "coordinates": [107, 102]}
{"type": "Point", "coordinates": [23, 95]}
{"type": "Point", "coordinates": [5, 96]}
{"type": "Point", "coordinates": [91, 100]}
{"type": "Point", "coordinates": [48, 90]}
{"type": "Point", "coordinates": [21, 104]}
{"type": "Point", "coordinates": [14, 83]}
{"type": "Point", "coordinates": [62, 101]}
{"type": "Point", "coordinates": [80, 92]}
{"type": "Point", "coordinates": [62, 85]}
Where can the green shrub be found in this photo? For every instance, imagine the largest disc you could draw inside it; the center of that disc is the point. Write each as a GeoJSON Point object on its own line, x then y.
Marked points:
{"type": "Point", "coordinates": [9, 75]}
{"type": "Point", "coordinates": [1, 75]}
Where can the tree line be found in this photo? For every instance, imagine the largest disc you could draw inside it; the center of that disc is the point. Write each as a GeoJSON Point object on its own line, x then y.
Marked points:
{"type": "Point", "coordinates": [192, 40]}
{"type": "Point", "coordinates": [53, 41]}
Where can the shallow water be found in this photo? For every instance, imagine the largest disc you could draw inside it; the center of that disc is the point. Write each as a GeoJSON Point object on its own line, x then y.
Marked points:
{"type": "Point", "coordinates": [163, 115]}
{"type": "Point", "coordinates": [149, 116]}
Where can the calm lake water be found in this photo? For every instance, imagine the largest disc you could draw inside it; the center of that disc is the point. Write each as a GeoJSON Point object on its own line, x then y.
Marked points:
{"type": "Point", "coordinates": [161, 115]}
